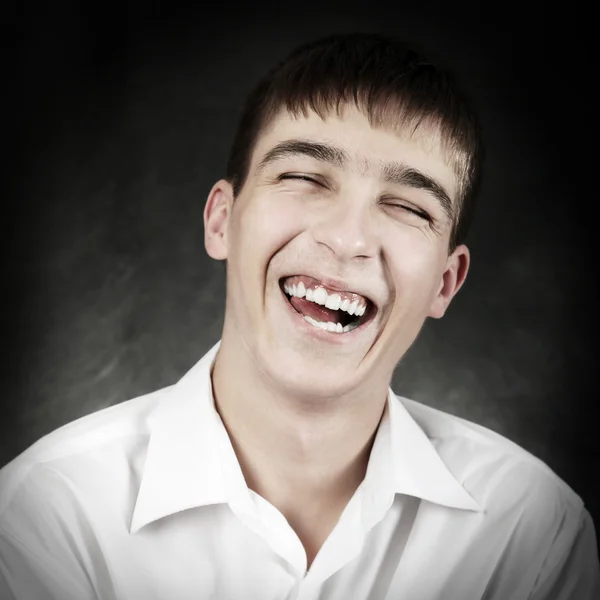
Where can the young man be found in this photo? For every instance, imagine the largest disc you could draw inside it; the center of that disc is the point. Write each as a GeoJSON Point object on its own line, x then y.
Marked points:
{"type": "Point", "coordinates": [282, 466]}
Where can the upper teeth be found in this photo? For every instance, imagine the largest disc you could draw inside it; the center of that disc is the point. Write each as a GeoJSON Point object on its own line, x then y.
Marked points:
{"type": "Point", "coordinates": [320, 296]}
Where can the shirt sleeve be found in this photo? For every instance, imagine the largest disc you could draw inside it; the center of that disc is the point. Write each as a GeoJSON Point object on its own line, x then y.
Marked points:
{"type": "Point", "coordinates": [571, 570]}
{"type": "Point", "coordinates": [25, 576]}
{"type": "Point", "coordinates": [41, 554]}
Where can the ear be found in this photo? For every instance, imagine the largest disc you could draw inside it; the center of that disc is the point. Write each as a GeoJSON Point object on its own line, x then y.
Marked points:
{"type": "Point", "coordinates": [216, 219]}
{"type": "Point", "coordinates": [453, 277]}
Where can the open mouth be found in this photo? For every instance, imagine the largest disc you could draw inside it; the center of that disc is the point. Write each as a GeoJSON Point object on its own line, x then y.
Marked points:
{"type": "Point", "coordinates": [336, 312]}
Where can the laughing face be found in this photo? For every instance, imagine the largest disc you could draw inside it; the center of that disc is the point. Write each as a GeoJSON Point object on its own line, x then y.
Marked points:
{"type": "Point", "coordinates": [336, 249]}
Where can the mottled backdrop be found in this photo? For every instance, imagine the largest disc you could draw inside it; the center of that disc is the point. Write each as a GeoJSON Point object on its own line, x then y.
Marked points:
{"type": "Point", "coordinates": [122, 119]}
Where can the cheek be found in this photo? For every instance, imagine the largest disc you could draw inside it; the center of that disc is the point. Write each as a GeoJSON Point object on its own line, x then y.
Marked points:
{"type": "Point", "coordinates": [272, 221]}
{"type": "Point", "coordinates": [260, 227]}
{"type": "Point", "coordinates": [415, 270]}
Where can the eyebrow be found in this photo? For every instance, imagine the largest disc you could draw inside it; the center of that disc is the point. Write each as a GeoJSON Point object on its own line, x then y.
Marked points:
{"type": "Point", "coordinates": [393, 172]}
{"type": "Point", "coordinates": [401, 174]}
{"type": "Point", "coordinates": [323, 152]}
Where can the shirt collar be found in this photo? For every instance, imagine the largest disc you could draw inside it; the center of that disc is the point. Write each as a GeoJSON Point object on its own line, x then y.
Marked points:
{"type": "Point", "coordinates": [404, 461]}
{"type": "Point", "coordinates": [182, 469]}
{"type": "Point", "coordinates": [187, 465]}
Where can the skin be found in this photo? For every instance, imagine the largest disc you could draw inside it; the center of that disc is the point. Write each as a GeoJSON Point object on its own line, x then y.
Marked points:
{"type": "Point", "coordinates": [301, 409]}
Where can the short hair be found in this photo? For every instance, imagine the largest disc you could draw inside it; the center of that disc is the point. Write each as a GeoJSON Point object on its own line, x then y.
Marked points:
{"type": "Point", "coordinates": [391, 83]}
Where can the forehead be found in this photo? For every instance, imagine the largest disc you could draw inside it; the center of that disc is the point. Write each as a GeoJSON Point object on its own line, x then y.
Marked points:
{"type": "Point", "coordinates": [366, 146]}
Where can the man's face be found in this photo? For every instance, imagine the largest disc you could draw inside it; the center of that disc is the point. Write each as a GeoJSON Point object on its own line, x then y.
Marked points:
{"type": "Point", "coordinates": [357, 215]}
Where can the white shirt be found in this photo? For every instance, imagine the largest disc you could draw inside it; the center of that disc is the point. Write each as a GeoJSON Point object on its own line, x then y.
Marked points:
{"type": "Point", "coordinates": [146, 500]}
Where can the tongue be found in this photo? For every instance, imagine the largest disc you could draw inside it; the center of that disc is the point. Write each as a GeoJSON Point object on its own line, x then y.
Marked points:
{"type": "Point", "coordinates": [316, 311]}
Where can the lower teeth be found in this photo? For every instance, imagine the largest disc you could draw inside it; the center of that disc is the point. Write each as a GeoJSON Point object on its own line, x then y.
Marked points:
{"type": "Point", "coordinates": [333, 327]}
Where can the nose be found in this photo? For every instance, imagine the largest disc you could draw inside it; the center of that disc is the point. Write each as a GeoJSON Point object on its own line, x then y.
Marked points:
{"type": "Point", "coordinates": [348, 230]}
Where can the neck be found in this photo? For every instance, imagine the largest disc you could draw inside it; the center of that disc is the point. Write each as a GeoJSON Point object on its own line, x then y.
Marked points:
{"type": "Point", "coordinates": [299, 454]}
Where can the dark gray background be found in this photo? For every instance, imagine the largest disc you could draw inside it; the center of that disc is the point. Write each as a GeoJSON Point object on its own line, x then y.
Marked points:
{"type": "Point", "coordinates": [122, 120]}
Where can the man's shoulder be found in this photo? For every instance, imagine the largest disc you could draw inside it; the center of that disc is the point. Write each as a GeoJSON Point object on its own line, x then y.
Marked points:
{"type": "Point", "coordinates": [495, 470]}
{"type": "Point", "coordinates": [109, 432]}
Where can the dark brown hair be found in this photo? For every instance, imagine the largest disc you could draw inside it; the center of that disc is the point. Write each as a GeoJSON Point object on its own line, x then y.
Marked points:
{"type": "Point", "coordinates": [391, 83]}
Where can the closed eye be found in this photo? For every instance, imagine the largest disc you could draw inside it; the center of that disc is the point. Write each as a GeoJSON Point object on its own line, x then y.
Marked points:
{"type": "Point", "coordinates": [415, 211]}
{"type": "Point", "coordinates": [298, 176]}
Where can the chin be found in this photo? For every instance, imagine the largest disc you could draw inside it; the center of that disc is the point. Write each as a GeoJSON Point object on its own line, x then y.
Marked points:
{"type": "Point", "coordinates": [310, 376]}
